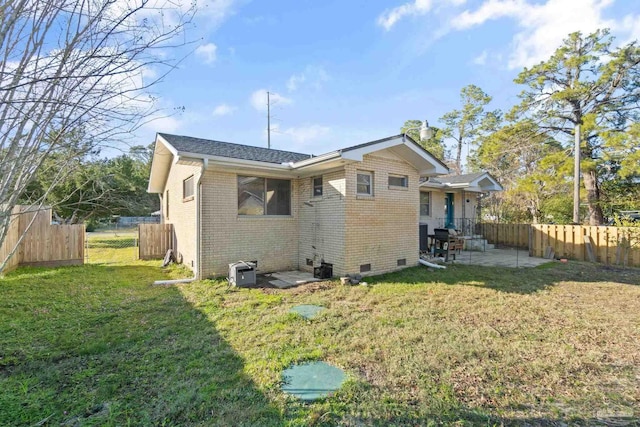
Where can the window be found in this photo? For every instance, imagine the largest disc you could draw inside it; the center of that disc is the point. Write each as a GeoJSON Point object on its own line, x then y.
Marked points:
{"type": "Point", "coordinates": [398, 181]}
{"type": "Point", "coordinates": [263, 196]}
{"type": "Point", "coordinates": [364, 183]}
{"type": "Point", "coordinates": [425, 203]}
{"type": "Point", "coordinates": [365, 268]}
{"type": "Point", "coordinates": [167, 202]}
{"type": "Point", "coordinates": [187, 188]}
{"type": "Point", "coordinates": [317, 186]}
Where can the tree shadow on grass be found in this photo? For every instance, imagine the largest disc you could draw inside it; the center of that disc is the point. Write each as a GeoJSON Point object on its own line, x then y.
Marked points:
{"type": "Point", "coordinates": [514, 280]}
{"type": "Point", "coordinates": [99, 345]}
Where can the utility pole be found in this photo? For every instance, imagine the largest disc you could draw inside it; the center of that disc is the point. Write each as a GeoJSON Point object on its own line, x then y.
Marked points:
{"type": "Point", "coordinates": [576, 176]}
{"type": "Point", "coordinates": [268, 121]}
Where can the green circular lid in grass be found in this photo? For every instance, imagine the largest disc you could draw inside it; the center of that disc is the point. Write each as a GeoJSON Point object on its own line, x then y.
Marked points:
{"type": "Point", "coordinates": [311, 381]}
{"type": "Point", "coordinates": [307, 311]}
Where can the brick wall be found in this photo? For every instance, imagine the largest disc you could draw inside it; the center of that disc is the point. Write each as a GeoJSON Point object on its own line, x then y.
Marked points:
{"type": "Point", "coordinates": [322, 225]}
{"type": "Point", "coordinates": [182, 212]}
{"type": "Point", "coordinates": [383, 228]}
{"type": "Point", "coordinates": [228, 237]}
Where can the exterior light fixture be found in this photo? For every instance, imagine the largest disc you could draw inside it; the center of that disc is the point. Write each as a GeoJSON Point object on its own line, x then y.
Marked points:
{"type": "Point", "coordinates": [425, 131]}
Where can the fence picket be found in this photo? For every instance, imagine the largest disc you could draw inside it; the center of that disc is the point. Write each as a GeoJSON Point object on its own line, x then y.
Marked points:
{"type": "Point", "coordinates": [155, 240]}
{"type": "Point", "coordinates": [569, 241]}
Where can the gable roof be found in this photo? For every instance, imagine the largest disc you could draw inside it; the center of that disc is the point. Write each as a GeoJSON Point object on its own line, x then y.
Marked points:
{"type": "Point", "coordinates": [187, 150]}
{"type": "Point", "coordinates": [461, 179]}
{"type": "Point", "coordinates": [406, 140]}
{"type": "Point", "coordinates": [189, 146]}
{"type": "Point", "coordinates": [477, 181]}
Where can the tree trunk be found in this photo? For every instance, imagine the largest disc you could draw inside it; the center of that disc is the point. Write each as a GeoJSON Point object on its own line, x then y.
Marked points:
{"type": "Point", "coordinates": [590, 179]}
{"type": "Point", "coordinates": [459, 159]}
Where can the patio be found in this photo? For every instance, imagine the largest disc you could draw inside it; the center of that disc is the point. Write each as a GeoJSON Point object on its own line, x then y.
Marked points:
{"type": "Point", "coordinates": [499, 258]}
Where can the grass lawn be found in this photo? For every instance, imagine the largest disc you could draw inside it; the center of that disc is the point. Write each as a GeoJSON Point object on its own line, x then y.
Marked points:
{"type": "Point", "coordinates": [99, 345]}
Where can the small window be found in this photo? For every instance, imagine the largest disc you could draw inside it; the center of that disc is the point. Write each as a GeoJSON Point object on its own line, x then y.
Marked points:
{"type": "Point", "coordinates": [401, 262]}
{"type": "Point", "coordinates": [364, 183]}
{"type": "Point", "coordinates": [398, 181]}
{"type": "Point", "coordinates": [187, 188]}
{"type": "Point", "coordinates": [309, 262]}
{"type": "Point", "coordinates": [365, 267]}
{"type": "Point", "coordinates": [317, 186]}
{"type": "Point", "coordinates": [425, 203]}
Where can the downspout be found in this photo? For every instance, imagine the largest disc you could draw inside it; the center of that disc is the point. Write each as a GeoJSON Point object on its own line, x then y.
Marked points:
{"type": "Point", "coordinates": [196, 273]}
{"type": "Point", "coordinates": [205, 165]}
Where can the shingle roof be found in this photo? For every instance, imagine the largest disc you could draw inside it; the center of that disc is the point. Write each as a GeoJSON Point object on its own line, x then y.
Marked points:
{"type": "Point", "coordinates": [460, 179]}
{"type": "Point", "coordinates": [209, 147]}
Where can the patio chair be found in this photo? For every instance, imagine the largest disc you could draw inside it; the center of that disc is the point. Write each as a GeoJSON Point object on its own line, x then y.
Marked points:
{"type": "Point", "coordinates": [446, 244]}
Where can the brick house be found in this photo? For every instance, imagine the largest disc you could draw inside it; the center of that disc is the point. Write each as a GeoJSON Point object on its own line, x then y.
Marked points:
{"type": "Point", "coordinates": [452, 201]}
{"type": "Point", "coordinates": [357, 208]}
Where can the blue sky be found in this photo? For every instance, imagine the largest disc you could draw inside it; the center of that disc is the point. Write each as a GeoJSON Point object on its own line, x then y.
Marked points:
{"type": "Point", "coordinates": [351, 71]}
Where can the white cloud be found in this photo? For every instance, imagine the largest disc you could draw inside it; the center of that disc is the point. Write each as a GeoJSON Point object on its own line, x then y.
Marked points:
{"type": "Point", "coordinates": [258, 99]}
{"type": "Point", "coordinates": [161, 123]}
{"type": "Point", "coordinates": [312, 76]}
{"type": "Point", "coordinates": [630, 25]}
{"type": "Point", "coordinates": [218, 11]}
{"type": "Point", "coordinates": [223, 110]}
{"type": "Point", "coordinates": [542, 26]}
{"type": "Point", "coordinates": [294, 81]}
{"type": "Point", "coordinates": [207, 52]}
{"type": "Point", "coordinates": [390, 17]}
{"type": "Point", "coordinates": [303, 134]}
{"type": "Point", "coordinates": [481, 59]}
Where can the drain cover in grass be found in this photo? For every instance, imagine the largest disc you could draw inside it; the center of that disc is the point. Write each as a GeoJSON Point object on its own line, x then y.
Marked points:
{"type": "Point", "coordinates": [307, 311]}
{"type": "Point", "coordinates": [311, 381]}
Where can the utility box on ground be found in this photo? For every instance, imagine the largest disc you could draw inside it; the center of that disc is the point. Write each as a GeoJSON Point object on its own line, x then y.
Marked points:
{"type": "Point", "coordinates": [242, 273]}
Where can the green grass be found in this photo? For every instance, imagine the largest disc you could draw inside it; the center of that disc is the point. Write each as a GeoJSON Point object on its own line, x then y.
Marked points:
{"type": "Point", "coordinates": [99, 345]}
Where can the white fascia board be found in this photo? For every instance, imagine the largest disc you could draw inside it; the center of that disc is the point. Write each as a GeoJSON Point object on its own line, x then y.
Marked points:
{"type": "Point", "coordinates": [437, 169]}
{"type": "Point", "coordinates": [495, 185]}
{"type": "Point", "coordinates": [160, 165]}
{"type": "Point", "coordinates": [428, 184]}
{"type": "Point", "coordinates": [167, 145]}
{"type": "Point", "coordinates": [317, 159]}
{"type": "Point", "coordinates": [358, 153]}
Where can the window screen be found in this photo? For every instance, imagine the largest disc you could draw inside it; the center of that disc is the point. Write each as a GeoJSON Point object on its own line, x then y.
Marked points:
{"type": "Point", "coordinates": [364, 183]}
{"type": "Point", "coordinates": [263, 196]}
{"type": "Point", "coordinates": [187, 187]}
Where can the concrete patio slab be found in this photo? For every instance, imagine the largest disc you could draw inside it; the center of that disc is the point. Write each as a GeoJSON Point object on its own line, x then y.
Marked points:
{"type": "Point", "coordinates": [288, 279]}
{"type": "Point", "coordinates": [499, 258]}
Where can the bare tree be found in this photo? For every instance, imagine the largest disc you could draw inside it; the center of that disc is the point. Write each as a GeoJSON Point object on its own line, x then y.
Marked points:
{"type": "Point", "coordinates": [76, 66]}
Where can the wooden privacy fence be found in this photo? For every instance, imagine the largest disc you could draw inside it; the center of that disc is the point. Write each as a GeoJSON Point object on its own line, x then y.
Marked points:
{"type": "Point", "coordinates": [609, 245]}
{"type": "Point", "coordinates": [43, 244]}
{"type": "Point", "coordinates": [516, 235]}
{"type": "Point", "coordinates": [155, 240]}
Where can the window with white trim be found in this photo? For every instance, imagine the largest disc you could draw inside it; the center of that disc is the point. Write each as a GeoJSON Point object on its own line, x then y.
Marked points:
{"type": "Point", "coordinates": [263, 196]}
{"type": "Point", "coordinates": [398, 181]}
{"type": "Point", "coordinates": [364, 183]}
{"type": "Point", "coordinates": [425, 203]}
